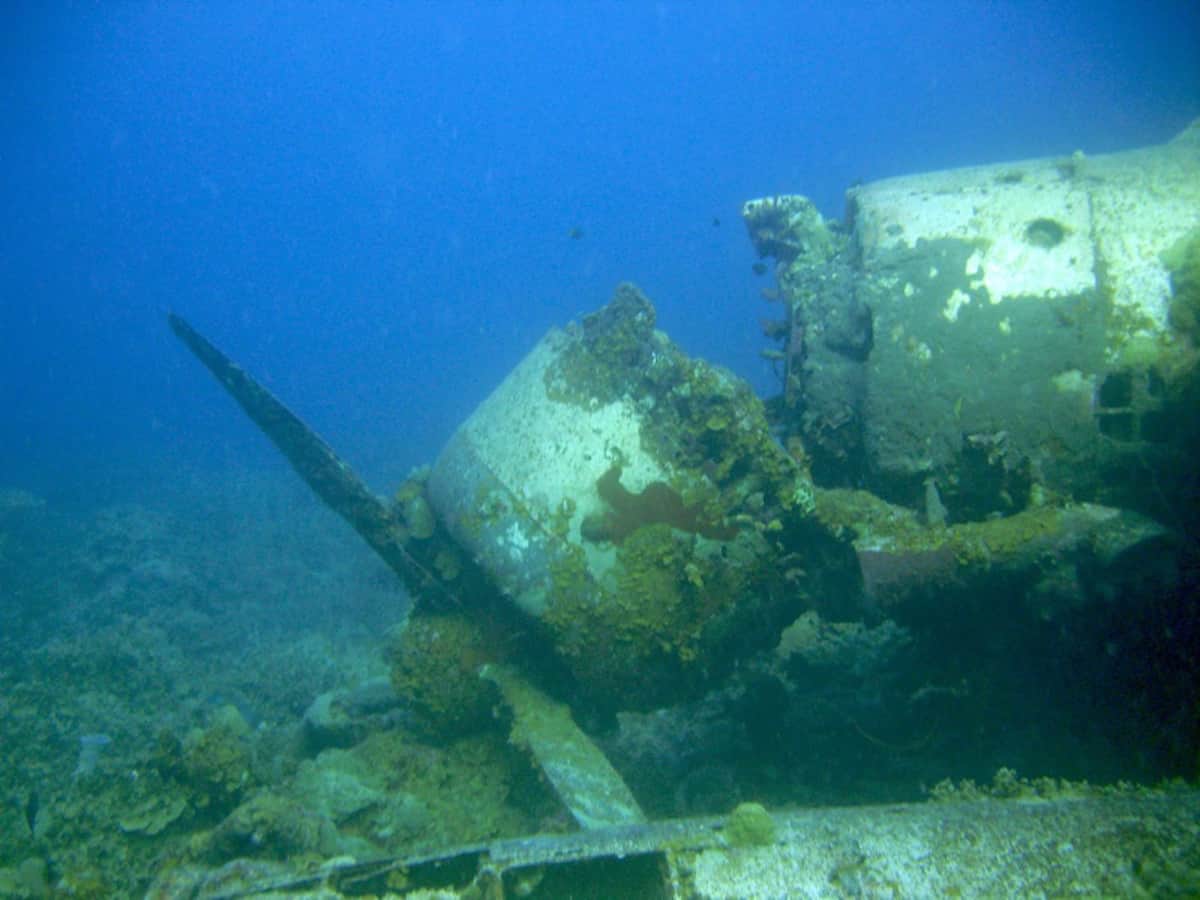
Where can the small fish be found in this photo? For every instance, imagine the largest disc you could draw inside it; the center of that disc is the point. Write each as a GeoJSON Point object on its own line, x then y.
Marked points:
{"type": "Point", "coordinates": [575, 233]}
{"type": "Point", "coordinates": [32, 805]}
{"type": "Point", "coordinates": [716, 222]}
{"type": "Point", "coordinates": [759, 268]}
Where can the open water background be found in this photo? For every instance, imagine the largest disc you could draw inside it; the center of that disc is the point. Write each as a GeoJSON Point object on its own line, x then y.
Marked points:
{"type": "Point", "coordinates": [369, 205]}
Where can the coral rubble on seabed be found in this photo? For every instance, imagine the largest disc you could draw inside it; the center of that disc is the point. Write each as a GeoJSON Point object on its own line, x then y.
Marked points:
{"type": "Point", "coordinates": [153, 672]}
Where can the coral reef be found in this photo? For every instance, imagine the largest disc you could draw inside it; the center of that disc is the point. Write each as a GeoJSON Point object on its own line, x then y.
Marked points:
{"type": "Point", "coordinates": [749, 825]}
{"type": "Point", "coordinates": [273, 827]}
{"type": "Point", "coordinates": [435, 660]}
{"type": "Point", "coordinates": [214, 762]}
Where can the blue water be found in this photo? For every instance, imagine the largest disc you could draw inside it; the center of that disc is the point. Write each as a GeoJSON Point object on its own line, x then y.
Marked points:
{"type": "Point", "coordinates": [370, 206]}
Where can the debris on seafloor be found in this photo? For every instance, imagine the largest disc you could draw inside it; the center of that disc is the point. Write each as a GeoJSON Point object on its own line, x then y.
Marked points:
{"type": "Point", "coordinates": [1065, 842]}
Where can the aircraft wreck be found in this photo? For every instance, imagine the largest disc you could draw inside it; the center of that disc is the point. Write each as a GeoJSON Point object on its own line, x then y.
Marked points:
{"type": "Point", "coordinates": [984, 438]}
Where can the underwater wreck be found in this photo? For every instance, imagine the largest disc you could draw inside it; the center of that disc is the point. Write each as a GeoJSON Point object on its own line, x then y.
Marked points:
{"type": "Point", "coordinates": [986, 432]}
